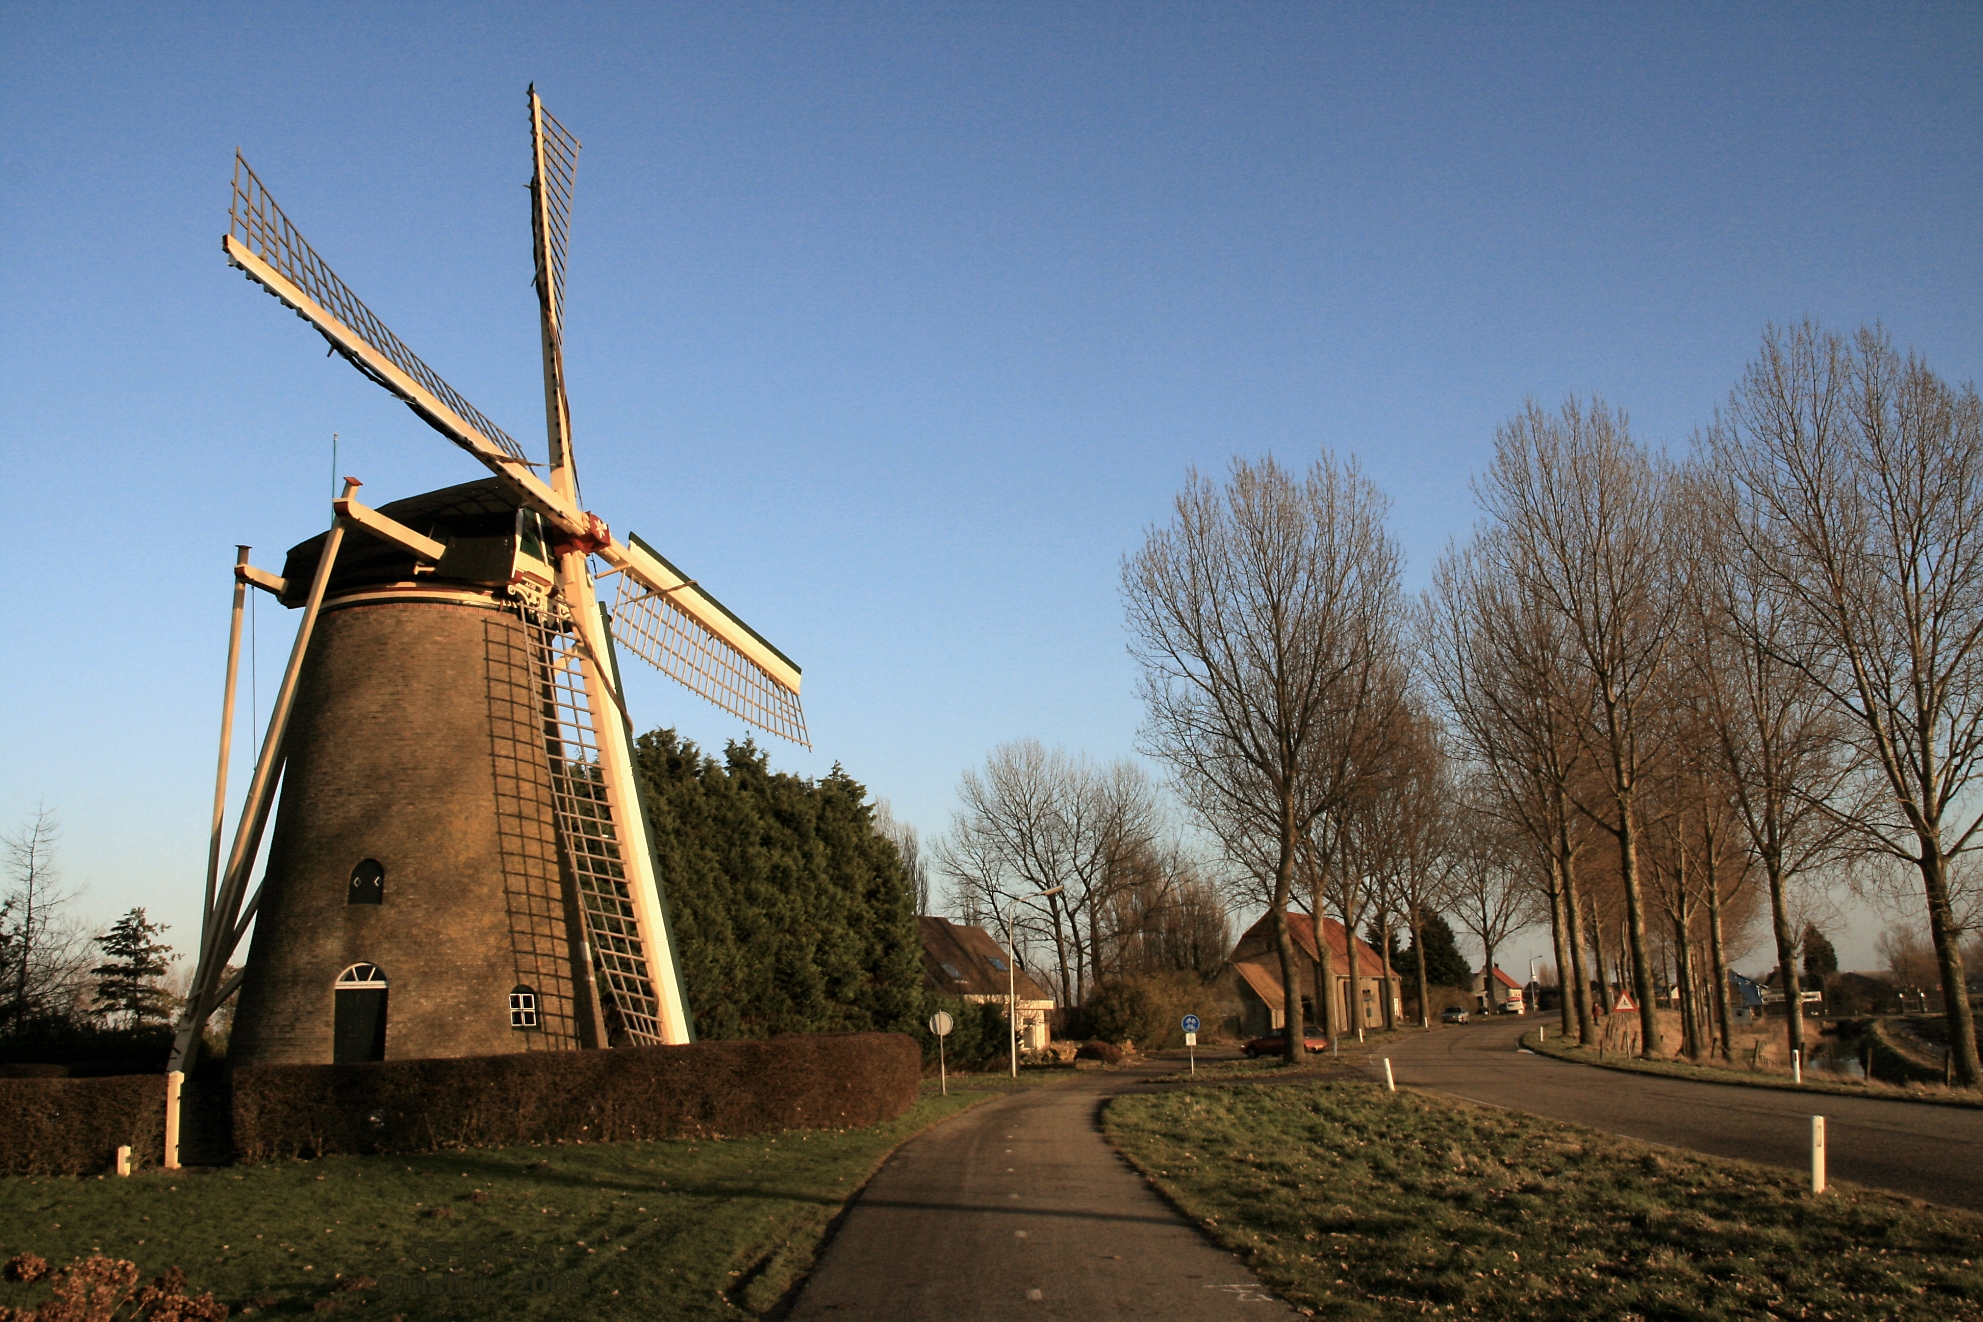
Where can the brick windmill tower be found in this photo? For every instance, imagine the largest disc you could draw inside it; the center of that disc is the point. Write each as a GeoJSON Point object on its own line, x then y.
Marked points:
{"type": "Point", "coordinates": [459, 863]}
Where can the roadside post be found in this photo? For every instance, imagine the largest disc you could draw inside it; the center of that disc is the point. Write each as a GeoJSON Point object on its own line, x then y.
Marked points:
{"type": "Point", "coordinates": [1191, 1041]}
{"type": "Point", "coordinates": [1817, 1154]}
{"type": "Point", "coordinates": [1797, 1067]}
{"type": "Point", "coordinates": [1390, 1083]}
{"type": "Point", "coordinates": [941, 1023]}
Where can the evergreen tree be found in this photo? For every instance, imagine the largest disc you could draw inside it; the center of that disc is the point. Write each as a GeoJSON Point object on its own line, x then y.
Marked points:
{"type": "Point", "coordinates": [1820, 960]}
{"type": "Point", "coordinates": [1445, 966]}
{"type": "Point", "coordinates": [1373, 936]}
{"type": "Point", "coordinates": [791, 913]}
{"type": "Point", "coordinates": [127, 982]}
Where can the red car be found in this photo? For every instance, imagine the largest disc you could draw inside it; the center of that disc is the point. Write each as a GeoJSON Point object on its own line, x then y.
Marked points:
{"type": "Point", "coordinates": [1273, 1044]}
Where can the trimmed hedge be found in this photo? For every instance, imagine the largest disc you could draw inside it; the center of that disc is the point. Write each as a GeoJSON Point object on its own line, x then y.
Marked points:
{"type": "Point", "coordinates": [56, 1126]}
{"type": "Point", "coordinates": [812, 1081]}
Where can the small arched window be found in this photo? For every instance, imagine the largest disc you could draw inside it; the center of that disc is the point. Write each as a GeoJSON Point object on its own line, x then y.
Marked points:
{"type": "Point", "coordinates": [368, 883]}
{"type": "Point", "coordinates": [523, 1007]}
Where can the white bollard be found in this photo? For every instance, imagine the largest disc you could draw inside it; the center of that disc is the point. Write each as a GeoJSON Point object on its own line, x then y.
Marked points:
{"type": "Point", "coordinates": [1541, 1033]}
{"type": "Point", "coordinates": [1390, 1084]}
{"type": "Point", "coordinates": [173, 1080]}
{"type": "Point", "coordinates": [124, 1159]}
{"type": "Point", "coordinates": [1797, 1067]}
{"type": "Point", "coordinates": [1817, 1154]}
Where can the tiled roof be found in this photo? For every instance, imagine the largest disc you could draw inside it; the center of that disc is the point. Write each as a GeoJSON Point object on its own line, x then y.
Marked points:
{"type": "Point", "coordinates": [959, 961]}
{"type": "Point", "coordinates": [1259, 941]}
{"type": "Point", "coordinates": [1265, 982]}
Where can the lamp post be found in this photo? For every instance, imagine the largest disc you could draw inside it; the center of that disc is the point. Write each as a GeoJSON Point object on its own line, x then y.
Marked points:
{"type": "Point", "coordinates": [1011, 977]}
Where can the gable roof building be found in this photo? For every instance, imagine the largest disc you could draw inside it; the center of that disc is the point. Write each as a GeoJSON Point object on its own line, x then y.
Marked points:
{"type": "Point", "coordinates": [1256, 971]}
{"type": "Point", "coordinates": [964, 961]}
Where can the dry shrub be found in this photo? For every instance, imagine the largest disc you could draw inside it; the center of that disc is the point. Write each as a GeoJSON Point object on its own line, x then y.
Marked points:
{"type": "Point", "coordinates": [100, 1289]}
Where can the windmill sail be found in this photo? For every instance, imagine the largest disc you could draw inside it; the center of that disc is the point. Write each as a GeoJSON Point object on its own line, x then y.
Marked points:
{"type": "Point", "coordinates": [662, 618]}
{"type": "Point", "coordinates": [668, 620]}
{"type": "Point", "coordinates": [557, 169]}
{"type": "Point", "coordinates": [258, 225]}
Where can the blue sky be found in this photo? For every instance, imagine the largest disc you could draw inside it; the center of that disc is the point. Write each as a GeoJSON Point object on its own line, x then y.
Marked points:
{"type": "Point", "coordinates": [894, 325]}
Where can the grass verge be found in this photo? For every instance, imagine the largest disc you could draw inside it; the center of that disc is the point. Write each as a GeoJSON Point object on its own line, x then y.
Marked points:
{"type": "Point", "coordinates": [1934, 1094]}
{"type": "Point", "coordinates": [683, 1228]}
{"type": "Point", "coordinates": [1360, 1204]}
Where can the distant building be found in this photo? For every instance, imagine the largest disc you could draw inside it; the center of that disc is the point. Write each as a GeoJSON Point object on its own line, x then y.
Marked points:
{"type": "Point", "coordinates": [965, 962]}
{"type": "Point", "coordinates": [1748, 998]}
{"type": "Point", "coordinates": [1255, 973]}
{"type": "Point", "coordinates": [1499, 995]}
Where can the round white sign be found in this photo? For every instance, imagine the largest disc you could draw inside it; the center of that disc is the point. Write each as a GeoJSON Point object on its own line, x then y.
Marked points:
{"type": "Point", "coordinates": [941, 1023]}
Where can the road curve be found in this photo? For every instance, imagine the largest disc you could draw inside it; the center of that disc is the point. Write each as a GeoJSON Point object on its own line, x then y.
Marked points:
{"type": "Point", "coordinates": [1021, 1208]}
{"type": "Point", "coordinates": [1933, 1153]}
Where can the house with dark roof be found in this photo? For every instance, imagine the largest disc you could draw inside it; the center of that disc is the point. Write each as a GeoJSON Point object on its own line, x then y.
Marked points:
{"type": "Point", "coordinates": [1256, 976]}
{"type": "Point", "coordinates": [964, 961]}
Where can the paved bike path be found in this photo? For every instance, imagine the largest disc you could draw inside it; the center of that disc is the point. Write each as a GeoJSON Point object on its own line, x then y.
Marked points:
{"type": "Point", "coordinates": [1021, 1208]}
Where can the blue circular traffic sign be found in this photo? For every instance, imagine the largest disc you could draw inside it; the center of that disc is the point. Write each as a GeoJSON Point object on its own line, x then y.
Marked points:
{"type": "Point", "coordinates": [1191, 1023]}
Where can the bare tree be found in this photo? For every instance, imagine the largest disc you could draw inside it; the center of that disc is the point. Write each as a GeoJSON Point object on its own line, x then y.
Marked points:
{"type": "Point", "coordinates": [45, 953]}
{"type": "Point", "coordinates": [1584, 508]}
{"type": "Point", "coordinates": [1423, 826]}
{"type": "Point", "coordinates": [1859, 478]}
{"type": "Point", "coordinates": [1041, 822]}
{"type": "Point", "coordinates": [1163, 915]}
{"type": "Point", "coordinates": [908, 844]}
{"type": "Point", "coordinates": [1493, 895]}
{"type": "Point", "coordinates": [1784, 760]}
{"type": "Point", "coordinates": [1260, 615]}
{"type": "Point", "coordinates": [1499, 656]}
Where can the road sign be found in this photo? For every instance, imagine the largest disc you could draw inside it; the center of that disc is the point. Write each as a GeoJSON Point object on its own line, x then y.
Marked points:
{"type": "Point", "coordinates": [1191, 1023]}
{"type": "Point", "coordinates": [941, 1023]}
{"type": "Point", "coordinates": [1191, 1039]}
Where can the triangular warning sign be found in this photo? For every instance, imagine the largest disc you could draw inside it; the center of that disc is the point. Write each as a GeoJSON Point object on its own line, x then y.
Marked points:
{"type": "Point", "coordinates": [1625, 1002]}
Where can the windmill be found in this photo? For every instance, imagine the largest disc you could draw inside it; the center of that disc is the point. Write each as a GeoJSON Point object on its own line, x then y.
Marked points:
{"type": "Point", "coordinates": [459, 835]}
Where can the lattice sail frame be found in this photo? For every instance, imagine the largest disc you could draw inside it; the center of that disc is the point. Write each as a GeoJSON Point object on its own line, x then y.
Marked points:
{"type": "Point", "coordinates": [654, 628]}
{"type": "Point", "coordinates": [557, 174]}
{"type": "Point", "coordinates": [256, 220]}
{"type": "Point", "coordinates": [592, 842]}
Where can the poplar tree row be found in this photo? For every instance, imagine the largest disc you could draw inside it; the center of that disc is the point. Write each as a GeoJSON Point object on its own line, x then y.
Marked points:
{"type": "Point", "coordinates": [1646, 693]}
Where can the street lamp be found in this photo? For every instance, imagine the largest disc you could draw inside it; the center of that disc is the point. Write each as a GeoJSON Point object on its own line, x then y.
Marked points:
{"type": "Point", "coordinates": [1012, 978]}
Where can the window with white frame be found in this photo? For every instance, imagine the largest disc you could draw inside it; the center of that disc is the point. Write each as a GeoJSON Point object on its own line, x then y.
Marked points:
{"type": "Point", "coordinates": [523, 1007]}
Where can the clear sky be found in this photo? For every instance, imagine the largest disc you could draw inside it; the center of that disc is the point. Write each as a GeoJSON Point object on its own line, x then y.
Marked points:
{"type": "Point", "coordinates": [895, 325]}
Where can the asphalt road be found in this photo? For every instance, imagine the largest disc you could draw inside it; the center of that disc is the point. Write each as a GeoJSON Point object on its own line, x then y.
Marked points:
{"type": "Point", "coordinates": [1021, 1208]}
{"type": "Point", "coordinates": [1929, 1152]}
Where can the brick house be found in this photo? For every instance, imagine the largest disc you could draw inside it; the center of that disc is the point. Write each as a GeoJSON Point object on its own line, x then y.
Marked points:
{"type": "Point", "coordinates": [1256, 976]}
{"type": "Point", "coordinates": [967, 963]}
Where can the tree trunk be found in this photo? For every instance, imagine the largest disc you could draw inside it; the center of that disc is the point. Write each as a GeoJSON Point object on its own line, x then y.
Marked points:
{"type": "Point", "coordinates": [1948, 961]}
{"type": "Point", "coordinates": [1635, 928]}
{"type": "Point", "coordinates": [1573, 936]}
{"type": "Point", "coordinates": [1283, 942]}
{"type": "Point", "coordinates": [1603, 973]}
{"type": "Point", "coordinates": [1718, 961]}
{"type": "Point", "coordinates": [1786, 956]}
{"type": "Point", "coordinates": [1418, 950]}
{"type": "Point", "coordinates": [1354, 1009]}
{"type": "Point", "coordinates": [1557, 926]}
{"type": "Point", "coordinates": [1326, 1017]}
{"type": "Point", "coordinates": [1384, 974]}
{"type": "Point", "coordinates": [1683, 954]}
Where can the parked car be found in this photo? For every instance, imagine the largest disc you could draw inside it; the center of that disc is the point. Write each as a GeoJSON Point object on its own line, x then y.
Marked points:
{"type": "Point", "coordinates": [1274, 1044]}
{"type": "Point", "coordinates": [1453, 1015]}
{"type": "Point", "coordinates": [1513, 1005]}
